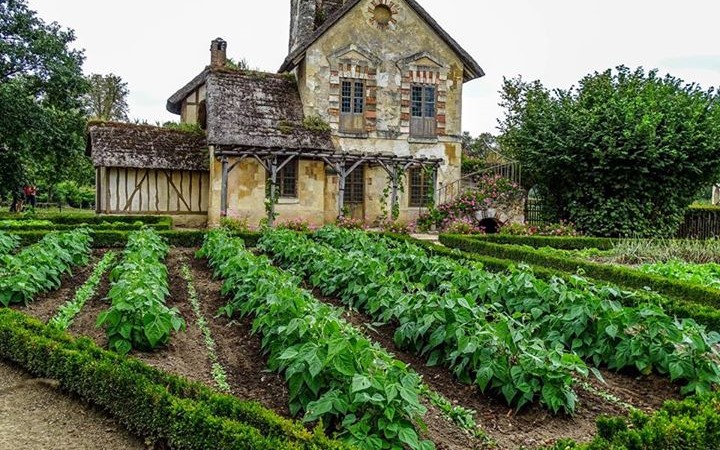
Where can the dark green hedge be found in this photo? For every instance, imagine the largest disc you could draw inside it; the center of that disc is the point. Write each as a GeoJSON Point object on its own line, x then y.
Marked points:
{"type": "Point", "coordinates": [76, 218]}
{"type": "Point", "coordinates": [119, 226]}
{"type": "Point", "coordinates": [690, 424]}
{"type": "Point", "coordinates": [158, 406]}
{"type": "Point", "coordinates": [622, 276]}
{"type": "Point", "coordinates": [559, 242]}
{"type": "Point", "coordinates": [103, 239]}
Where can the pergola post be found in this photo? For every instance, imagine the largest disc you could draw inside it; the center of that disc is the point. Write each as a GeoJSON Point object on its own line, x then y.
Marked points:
{"type": "Point", "coordinates": [224, 187]}
{"type": "Point", "coordinates": [273, 189]}
{"type": "Point", "coordinates": [434, 184]}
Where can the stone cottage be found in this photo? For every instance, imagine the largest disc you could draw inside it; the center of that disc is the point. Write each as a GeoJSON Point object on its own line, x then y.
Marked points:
{"type": "Point", "coordinates": [363, 119]}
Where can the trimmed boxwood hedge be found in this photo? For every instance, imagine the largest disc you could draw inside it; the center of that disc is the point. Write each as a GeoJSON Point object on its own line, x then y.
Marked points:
{"type": "Point", "coordinates": [559, 242]}
{"type": "Point", "coordinates": [690, 424]}
{"type": "Point", "coordinates": [75, 218]}
{"type": "Point", "coordinates": [103, 238]}
{"type": "Point", "coordinates": [118, 226]}
{"type": "Point", "coordinates": [158, 406]}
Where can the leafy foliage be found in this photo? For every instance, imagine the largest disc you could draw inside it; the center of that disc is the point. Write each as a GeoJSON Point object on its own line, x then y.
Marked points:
{"type": "Point", "coordinates": [38, 268]}
{"type": "Point", "coordinates": [8, 243]}
{"type": "Point", "coordinates": [334, 373]}
{"type": "Point", "coordinates": [493, 191]}
{"type": "Point", "coordinates": [623, 154]}
{"type": "Point", "coordinates": [479, 343]}
{"type": "Point", "coordinates": [41, 89]}
{"type": "Point", "coordinates": [586, 320]}
{"type": "Point", "coordinates": [703, 274]}
{"type": "Point", "coordinates": [166, 410]}
{"type": "Point", "coordinates": [106, 98]}
{"type": "Point", "coordinates": [138, 317]}
{"type": "Point", "coordinates": [67, 312]}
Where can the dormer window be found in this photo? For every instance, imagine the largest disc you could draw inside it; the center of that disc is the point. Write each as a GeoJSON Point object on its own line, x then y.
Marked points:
{"type": "Point", "coordinates": [352, 106]}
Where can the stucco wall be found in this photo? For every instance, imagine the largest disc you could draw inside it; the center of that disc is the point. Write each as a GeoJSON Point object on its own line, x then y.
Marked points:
{"type": "Point", "coordinates": [385, 58]}
{"type": "Point", "coordinates": [246, 193]}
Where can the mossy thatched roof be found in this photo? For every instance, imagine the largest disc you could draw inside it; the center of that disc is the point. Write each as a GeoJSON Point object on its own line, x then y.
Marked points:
{"type": "Point", "coordinates": [112, 144]}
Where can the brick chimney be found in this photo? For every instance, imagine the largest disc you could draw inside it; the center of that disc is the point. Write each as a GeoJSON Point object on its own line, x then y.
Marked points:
{"type": "Point", "coordinates": [218, 53]}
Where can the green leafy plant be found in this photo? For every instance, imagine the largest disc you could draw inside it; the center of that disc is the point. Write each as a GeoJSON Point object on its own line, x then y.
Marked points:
{"type": "Point", "coordinates": [8, 243]}
{"type": "Point", "coordinates": [334, 373]}
{"type": "Point", "coordinates": [65, 315]}
{"type": "Point", "coordinates": [587, 321]}
{"type": "Point", "coordinates": [138, 317]}
{"type": "Point", "coordinates": [621, 153]}
{"type": "Point", "coordinates": [39, 268]}
{"type": "Point", "coordinates": [480, 344]}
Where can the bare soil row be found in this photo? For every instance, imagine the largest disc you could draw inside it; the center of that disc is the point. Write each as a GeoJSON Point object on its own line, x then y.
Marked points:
{"type": "Point", "coordinates": [240, 352]}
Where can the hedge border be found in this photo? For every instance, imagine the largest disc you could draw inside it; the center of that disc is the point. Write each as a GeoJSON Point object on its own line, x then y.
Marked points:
{"type": "Point", "coordinates": [123, 226]}
{"type": "Point", "coordinates": [686, 294]}
{"type": "Point", "coordinates": [154, 404]}
{"type": "Point", "coordinates": [559, 242]}
{"type": "Point", "coordinates": [75, 218]}
{"type": "Point", "coordinates": [118, 239]}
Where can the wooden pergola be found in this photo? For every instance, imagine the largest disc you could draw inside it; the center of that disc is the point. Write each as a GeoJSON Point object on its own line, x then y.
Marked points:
{"type": "Point", "coordinates": [343, 163]}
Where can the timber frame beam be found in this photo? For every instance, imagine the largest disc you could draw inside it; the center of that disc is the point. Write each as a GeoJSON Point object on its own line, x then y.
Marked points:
{"type": "Point", "coordinates": [343, 163]}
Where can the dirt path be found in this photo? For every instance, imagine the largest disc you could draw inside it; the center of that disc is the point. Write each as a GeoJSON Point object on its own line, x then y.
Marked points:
{"type": "Point", "coordinates": [239, 351]}
{"type": "Point", "coordinates": [36, 416]}
{"type": "Point", "coordinates": [534, 426]}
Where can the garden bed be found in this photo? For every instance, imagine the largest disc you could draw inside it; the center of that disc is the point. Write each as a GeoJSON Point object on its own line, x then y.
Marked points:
{"type": "Point", "coordinates": [240, 353]}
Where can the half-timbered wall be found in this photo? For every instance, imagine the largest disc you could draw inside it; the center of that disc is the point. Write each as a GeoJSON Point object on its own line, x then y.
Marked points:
{"type": "Point", "coordinates": [152, 191]}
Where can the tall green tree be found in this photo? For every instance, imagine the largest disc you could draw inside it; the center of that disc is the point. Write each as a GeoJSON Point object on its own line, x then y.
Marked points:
{"type": "Point", "coordinates": [107, 98]}
{"type": "Point", "coordinates": [623, 153]}
{"type": "Point", "coordinates": [41, 90]}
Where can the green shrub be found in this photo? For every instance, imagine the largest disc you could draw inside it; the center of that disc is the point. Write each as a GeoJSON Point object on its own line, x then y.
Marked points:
{"type": "Point", "coordinates": [153, 404]}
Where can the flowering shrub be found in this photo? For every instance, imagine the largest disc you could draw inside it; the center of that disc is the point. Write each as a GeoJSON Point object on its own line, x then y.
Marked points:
{"type": "Point", "coordinates": [463, 226]}
{"type": "Point", "coordinates": [493, 191]}
{"type": "Point", "coordinates": [350, 223]}
{"type": "Point", "coordinates": [295, 225]}
{"type": "Point", "coordinates": [553, 229]}
{"type": "Point", "coordinates": [396, 227]}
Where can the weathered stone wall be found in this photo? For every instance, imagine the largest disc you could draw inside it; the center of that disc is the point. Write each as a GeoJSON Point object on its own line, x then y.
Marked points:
{"type": "Point", "coordinates": [246, 193]}
{"type": "Point", "coordinates": [389, 60]}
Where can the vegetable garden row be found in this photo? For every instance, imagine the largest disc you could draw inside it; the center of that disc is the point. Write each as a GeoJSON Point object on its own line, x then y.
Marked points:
{"type": "Point", "coordinates": [518, 338]}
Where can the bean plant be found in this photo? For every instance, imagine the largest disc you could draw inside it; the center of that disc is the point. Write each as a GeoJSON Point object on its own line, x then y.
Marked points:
{"type": "Point", "coordinates": [479, 343]}
{"type": "Point", "coordinates": [138, 317]}
{"type": "Point", "coordinates": [585, 319]}
{"type": "Point", "coordinates": [39, 267]}
{"type": "Point", "coordinates": [333, 372]}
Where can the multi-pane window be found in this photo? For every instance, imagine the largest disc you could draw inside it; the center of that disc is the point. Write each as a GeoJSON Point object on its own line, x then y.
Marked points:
{"type": "Point", "coordinates": [422, 111]}
{"type": "Point", "coordinates": [352, 106]}
{"type": "Point", "coordinates": [287, 180]}
{"type": "Point", "coordinates": [355, 187]}
{"type": "Point", "coordinates": [420, 187]}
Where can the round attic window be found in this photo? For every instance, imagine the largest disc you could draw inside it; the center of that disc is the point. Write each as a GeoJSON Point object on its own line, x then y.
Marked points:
{"type": "Point", "coordinates": [382, 15]}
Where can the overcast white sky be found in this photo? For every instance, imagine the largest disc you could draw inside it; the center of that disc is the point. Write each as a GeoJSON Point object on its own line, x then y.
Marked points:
{"type": "Point", "coordinates": [159, 45]}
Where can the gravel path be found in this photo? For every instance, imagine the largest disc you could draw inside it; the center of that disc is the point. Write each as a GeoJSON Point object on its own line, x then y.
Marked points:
{"type": "Point", "coordinates": [36, 416]}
